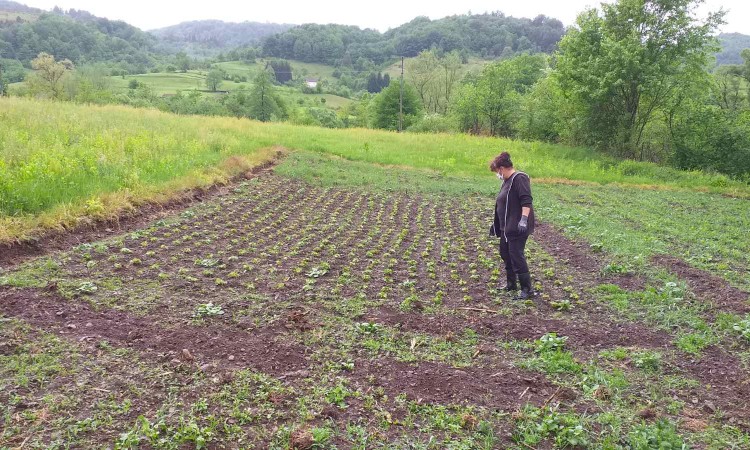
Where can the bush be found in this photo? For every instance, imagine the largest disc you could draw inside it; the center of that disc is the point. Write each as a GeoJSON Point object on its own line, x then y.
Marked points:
{"type": "Point", "coordinates": [715, 139]}
{"type": "Point", "coordinates": [12, 70]}
{"type": "Point", "coordinates": [661, 435]}
{"type": "Point", "coordinates": [434, 123]}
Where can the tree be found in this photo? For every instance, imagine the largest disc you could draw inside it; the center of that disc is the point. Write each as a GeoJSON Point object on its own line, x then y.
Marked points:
{"type": "Point", "coordinates": [264, 103]}
{"type": "Point", "coordinates": [13, 70]}
{"type": "Point", "coordinates": [386, 107]}
{"type": "Point", "coordinates": [214, 79]}
{"type": "Point", "coordinates": [49, 75]}
{"type": "Point", "coordinates": [3, 86]}
{"type": "Point", "coordinates": [282, 71]}
{"type": "Point", "coordinates": [434, 76]}
{"type": "Point", "coordinates": [182, 61]}
{"type": "Point", "coordinates": [499, 90]}
{"type": "Point", "coordinates": [630, 63]}
{"type": "Point", "coordinates": [466, 109]}
{"type": "Point", "coordinates": [449, 66]}
{"type": "Point", "coordinates": [421, 72]}
{"type": "Point", "coordinates": [727, 89]}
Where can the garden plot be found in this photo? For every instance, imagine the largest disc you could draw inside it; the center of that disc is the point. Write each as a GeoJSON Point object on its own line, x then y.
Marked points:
{"type": "Point", "coordinates": [287, 315]}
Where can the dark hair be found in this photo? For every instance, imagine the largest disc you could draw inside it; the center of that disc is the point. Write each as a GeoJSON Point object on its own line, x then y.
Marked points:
{"type": "Point", "coordinates": [501, 160]}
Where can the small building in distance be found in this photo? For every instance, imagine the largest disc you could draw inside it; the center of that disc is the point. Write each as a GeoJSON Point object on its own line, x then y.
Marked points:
{"type": "Point", "coordinates": [312, 83]}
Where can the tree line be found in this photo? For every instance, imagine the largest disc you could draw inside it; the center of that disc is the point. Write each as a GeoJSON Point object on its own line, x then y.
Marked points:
{"type": "Point", "coordinates": [81, 38]}
{"type": "Point", "coordinates": [490, 35]}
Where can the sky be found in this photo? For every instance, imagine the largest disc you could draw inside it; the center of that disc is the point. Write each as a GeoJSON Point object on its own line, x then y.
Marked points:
{"type": "Point", "coordinates": [150, 14]}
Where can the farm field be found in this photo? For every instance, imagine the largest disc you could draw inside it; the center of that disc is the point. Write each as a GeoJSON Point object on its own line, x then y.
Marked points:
{"type": "Point", "coordinates": [171, 83]}
{"type": "Point", "coordinates": [345, 298]}
{"type": "Point", "coordinates": [331, 303]}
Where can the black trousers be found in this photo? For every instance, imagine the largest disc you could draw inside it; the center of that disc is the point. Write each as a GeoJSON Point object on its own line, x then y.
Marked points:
{"type": "Point", "coordinates": [512, 253]}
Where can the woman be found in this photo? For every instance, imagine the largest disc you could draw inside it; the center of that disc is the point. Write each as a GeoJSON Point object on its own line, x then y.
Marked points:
{"type": "Point", "coordinates": [513, 223]}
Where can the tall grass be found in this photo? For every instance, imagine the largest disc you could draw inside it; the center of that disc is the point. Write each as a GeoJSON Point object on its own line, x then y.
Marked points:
{"type": "Point", "coordinates": [72, 158]}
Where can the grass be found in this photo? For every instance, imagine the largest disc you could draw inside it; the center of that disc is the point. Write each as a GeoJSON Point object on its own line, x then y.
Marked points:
{"type": "Point", "coordinates": [171, 83]}
{"type": "Point", "coordinates": [307, 70]}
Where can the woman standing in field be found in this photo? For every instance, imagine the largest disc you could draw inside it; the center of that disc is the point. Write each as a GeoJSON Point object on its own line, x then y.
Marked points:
{"type": "Point", "coordinates": [513, 223]}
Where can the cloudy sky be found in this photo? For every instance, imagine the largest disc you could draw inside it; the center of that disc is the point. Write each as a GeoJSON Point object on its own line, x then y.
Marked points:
{"type": "Point", "coordinates": [149, 14]}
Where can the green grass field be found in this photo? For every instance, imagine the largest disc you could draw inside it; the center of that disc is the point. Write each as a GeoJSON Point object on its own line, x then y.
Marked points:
{"type": "Point", "coordinates": [171, 83]}
{"type": "Point", "coordinates": [307, 70]}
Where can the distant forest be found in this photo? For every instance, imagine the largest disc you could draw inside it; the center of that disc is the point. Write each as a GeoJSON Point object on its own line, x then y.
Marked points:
{"type": "Point", "coordinates": [732, 45]}
{"type": "Point", "coordinates": [208, 37]}
{"type": "Point", "coordinates": [489, 36]}
{"type": "Point", "coordinates": [75, 35]}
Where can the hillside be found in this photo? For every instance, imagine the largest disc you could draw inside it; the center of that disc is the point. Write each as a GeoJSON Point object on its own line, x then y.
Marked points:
{"type": "Point", "coordinates": [214, 35]}
{"type": "Point", "coordinates": [732, 45]}
{"type": "Point", "coordinates": [458, 154]}
{"type": "Point", "coordinates": [78, 36]}
{"type": "Point", "coordinates": [486, 35]}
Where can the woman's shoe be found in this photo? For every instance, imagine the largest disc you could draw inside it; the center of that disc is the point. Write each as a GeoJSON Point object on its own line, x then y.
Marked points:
{"type": "Point", "coordinates": [527, 291]}
{"type": "Point", "coordinates": [511, 284]}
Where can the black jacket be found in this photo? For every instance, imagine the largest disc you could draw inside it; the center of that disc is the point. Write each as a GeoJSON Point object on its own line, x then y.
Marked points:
{"type": "Point", "coordinates": [508, 206]}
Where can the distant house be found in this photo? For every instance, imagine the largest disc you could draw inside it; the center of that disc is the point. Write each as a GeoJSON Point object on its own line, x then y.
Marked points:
{"type": "Point", "coordinates": [312, 83]}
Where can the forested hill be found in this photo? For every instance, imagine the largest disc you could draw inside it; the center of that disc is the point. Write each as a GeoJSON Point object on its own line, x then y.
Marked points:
{"type": "Point", "coordinates": [215, 34]}
{"type": "Point", "coordinates": [732, 45]}
{"type": "Point", "coordinates": [75, 35]}
{"type": "Point", "coordinates": [487, 35]}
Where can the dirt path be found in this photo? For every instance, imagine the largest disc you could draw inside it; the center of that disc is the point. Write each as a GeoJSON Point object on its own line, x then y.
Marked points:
{"type": "Point", "coordinates": [706, 285]}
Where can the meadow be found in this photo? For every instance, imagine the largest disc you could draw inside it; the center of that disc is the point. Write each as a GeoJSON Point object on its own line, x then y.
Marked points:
{"type": "Point", "coordinates": [346, 298]}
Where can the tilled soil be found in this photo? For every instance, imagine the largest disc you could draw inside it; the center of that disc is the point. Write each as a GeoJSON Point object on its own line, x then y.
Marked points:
{"type": "Point", "coordinates": [275, 251]}
{"type": "Point", "coordinates": [499, 388]}
{"type": "Point", "coordinates": [585, 265]}
{"type": "Point", "coordinates": [193, 345]}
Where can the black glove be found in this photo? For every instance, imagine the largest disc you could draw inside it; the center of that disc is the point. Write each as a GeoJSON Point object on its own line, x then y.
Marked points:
{"type": "Point", "coordinates": [523, 225]}
{"type": "Point", "coordinates": [492, 230]}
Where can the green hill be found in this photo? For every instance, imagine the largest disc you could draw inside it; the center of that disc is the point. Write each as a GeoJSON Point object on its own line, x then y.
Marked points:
{"type": "Point", "coordinates": [78, 36]}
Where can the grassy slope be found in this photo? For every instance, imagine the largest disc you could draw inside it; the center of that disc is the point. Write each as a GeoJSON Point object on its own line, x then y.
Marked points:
{"type": "Point", "coordinates": [308, 70]}
{"type": "Point", "coordinates": [170, 83]}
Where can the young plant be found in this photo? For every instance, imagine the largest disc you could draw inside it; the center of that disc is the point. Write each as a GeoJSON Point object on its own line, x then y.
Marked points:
{"type": "Point", "coordinates": [208, 310]}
